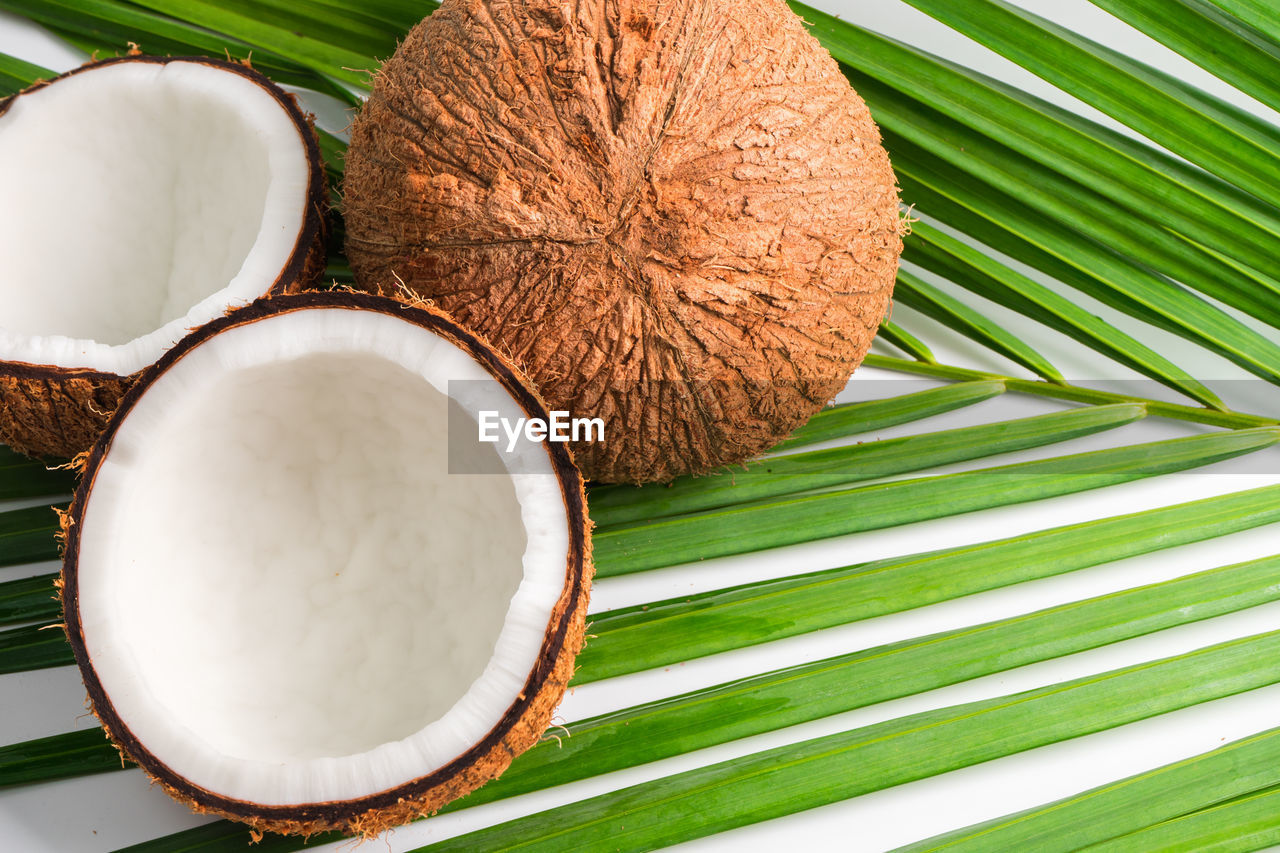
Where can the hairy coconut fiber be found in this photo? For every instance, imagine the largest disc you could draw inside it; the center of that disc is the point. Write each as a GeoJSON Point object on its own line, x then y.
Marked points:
{"type": "Point", "coordinates": [57, 387]}
{"type": "Point", "coordinates": [51, 411]}
{"type": "Point", "coordinates": [242, 649]}
{"type": "Point", "coordinates": [677, 217]}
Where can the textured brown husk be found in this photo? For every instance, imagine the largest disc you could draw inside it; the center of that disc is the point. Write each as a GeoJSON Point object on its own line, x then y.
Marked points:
{"type": "Point", "coordinates": [50, 412]}
{"type": "Point", "coordinates": [523, 723]}
{"type": "Point", "coordinates": [675, 216]}
{"type": "Point", "coordinates": [47, 410]}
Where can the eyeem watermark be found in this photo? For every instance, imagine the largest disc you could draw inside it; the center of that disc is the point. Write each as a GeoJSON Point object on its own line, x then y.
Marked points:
{"type": "Point", "coordinates": [560, 428]}
{"type": "Point", "coordinates": [489, 433]}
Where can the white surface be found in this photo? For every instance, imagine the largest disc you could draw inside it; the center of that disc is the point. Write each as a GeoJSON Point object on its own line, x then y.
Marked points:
{"type": "Point", "coordinates": [38, 819]}
{"type": "Point", "coordinates": [141, 200]}
{"type": "Point", "coordinates": [310, 653]}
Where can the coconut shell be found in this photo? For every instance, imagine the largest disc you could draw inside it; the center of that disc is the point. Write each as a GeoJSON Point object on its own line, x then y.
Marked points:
{"type": "Point", "coordinates": [677, 217]}
{"type": "Point", "coordinates": [50, 410]}
{"type": "Point", "coordinates": [525, 720]}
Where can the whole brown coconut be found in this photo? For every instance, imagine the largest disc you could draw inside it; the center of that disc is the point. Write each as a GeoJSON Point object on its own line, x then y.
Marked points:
{"type": "Point", "coordinates": [677, 217]}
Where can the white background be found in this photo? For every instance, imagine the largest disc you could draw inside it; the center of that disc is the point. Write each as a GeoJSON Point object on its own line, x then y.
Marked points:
{"type": "Point", "coordinates": [107, 811]}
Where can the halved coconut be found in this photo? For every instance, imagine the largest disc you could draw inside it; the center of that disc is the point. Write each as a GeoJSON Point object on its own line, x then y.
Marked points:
{"type": "Point", "coordinates": [140, 197]}
{"type": "Point", "coordinates": [285, 607]}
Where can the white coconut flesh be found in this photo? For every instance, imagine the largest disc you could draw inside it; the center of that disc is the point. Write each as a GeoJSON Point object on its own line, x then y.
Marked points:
{"type": "Point", "coordinates": [140, 199]}
{"type": "Point", "coordinates": [284, 593]}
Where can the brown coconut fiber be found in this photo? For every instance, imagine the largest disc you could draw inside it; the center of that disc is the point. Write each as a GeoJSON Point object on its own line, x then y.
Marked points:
{"type": "Point", "coordinates": [50, 410]}
{"type": "Point", "coordinates": [677, 217]}
{"type": "Point", "coordinates": [46, 411]}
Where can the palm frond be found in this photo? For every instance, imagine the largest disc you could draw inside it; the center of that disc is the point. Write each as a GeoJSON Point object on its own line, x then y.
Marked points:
{"type": "Point", "coordinates": [817, 469]}
{"type": "Point", "coordinates": [108, 27]}
{"type": "Point", "coordinates": [905, 341]}
{"type": "Point", "coordinates": [916, 293]}
{"type": "Point", "coordinates": [787, 779]}
{"type": "Point", "coordinates": [986, 277]}
{"type": "Point", "coordinates": [654, 543]}
{"type": "Point", "coordinates": [1209, 132]}
{"type": "Point", "coordinates": [1026, 206]}
{"type": "Point", "coordinates": [874, 415]}
{"type": "Point", "coordinates": [27, 535]}
{"type": "Point", "coordinates": [1177, 807]}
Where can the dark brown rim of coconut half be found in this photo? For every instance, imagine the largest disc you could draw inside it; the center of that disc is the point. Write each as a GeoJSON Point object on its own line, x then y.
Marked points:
{"type": "Point", "coordinates": [59, 409]}
{"type": "Point", "coordinates": [523, 722]}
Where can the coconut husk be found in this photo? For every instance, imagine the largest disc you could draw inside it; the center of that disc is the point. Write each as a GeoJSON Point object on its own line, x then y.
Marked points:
{"type": "Point", "coordinates": [677, 217]}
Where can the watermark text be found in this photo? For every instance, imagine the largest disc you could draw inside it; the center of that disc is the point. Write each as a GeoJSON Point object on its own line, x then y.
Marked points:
{"type": "Point", "coordinates": [492, 428]}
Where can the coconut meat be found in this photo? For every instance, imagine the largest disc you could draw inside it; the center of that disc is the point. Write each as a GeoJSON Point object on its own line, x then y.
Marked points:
{"type": "Point", "coordinates": [140, 199]}
{"type": "Point", "coordinates": [285, 594]}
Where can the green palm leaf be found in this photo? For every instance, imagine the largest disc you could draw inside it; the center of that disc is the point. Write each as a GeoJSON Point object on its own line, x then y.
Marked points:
{"type": "Point", "coordinates": [1051, 245]}
{"type": "Point", "coordinates": [16, 75]}
{"type": "Point", "coordinates": [56, 757]}
{"type": "Point", "coordinates": [27, 535]}
{"type": "Point", "coordinates": [660, 633]}
{"type": "Point", "coordinates": [818, 469]}
{"type": "Point", "coordinates": [1209, 132]}
{"type": "Point", "coordinates": [330, 60]}
{"type": "Point", "coordinates": [32, 599]}
{"type": "Point", "coordinates": [33, 647]}
{"type": "Point", "coordinates": [1255, 13]}
{"type": "Point", "coordinates": [1075, 393]}
{"type": "Point", "coordinates": [1241, 825]}
{"type": "Point", "coordinates": [874, 415]}
{"type": "Point", "coordinates": [652, 635]}
{"type": "Point", "coordinates": [1064, 201]}
{"type": "Point", "coordinates": [1154, 237]}
{"type": "Point", "coordinates": [905, 341]}
{"type": "Point", "coordinates": [1153, 185]}
{"type": "Point", "coordinates": [1177, 807]}
{"type": "Point", "coordinates": [651, 544]}
{"type": "Point", "coordinates": [1225, 46]}
{"type": "Point", "coordinates": [22, 478]}
{"type": "Point", "coordinates": [812, 773]}
{"type": "Point", "coordinates": [971, 269]}
{"type": "Point", "coordinates": [915, 292]}
{"type": "Point", "coordinates": [109, 27]}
